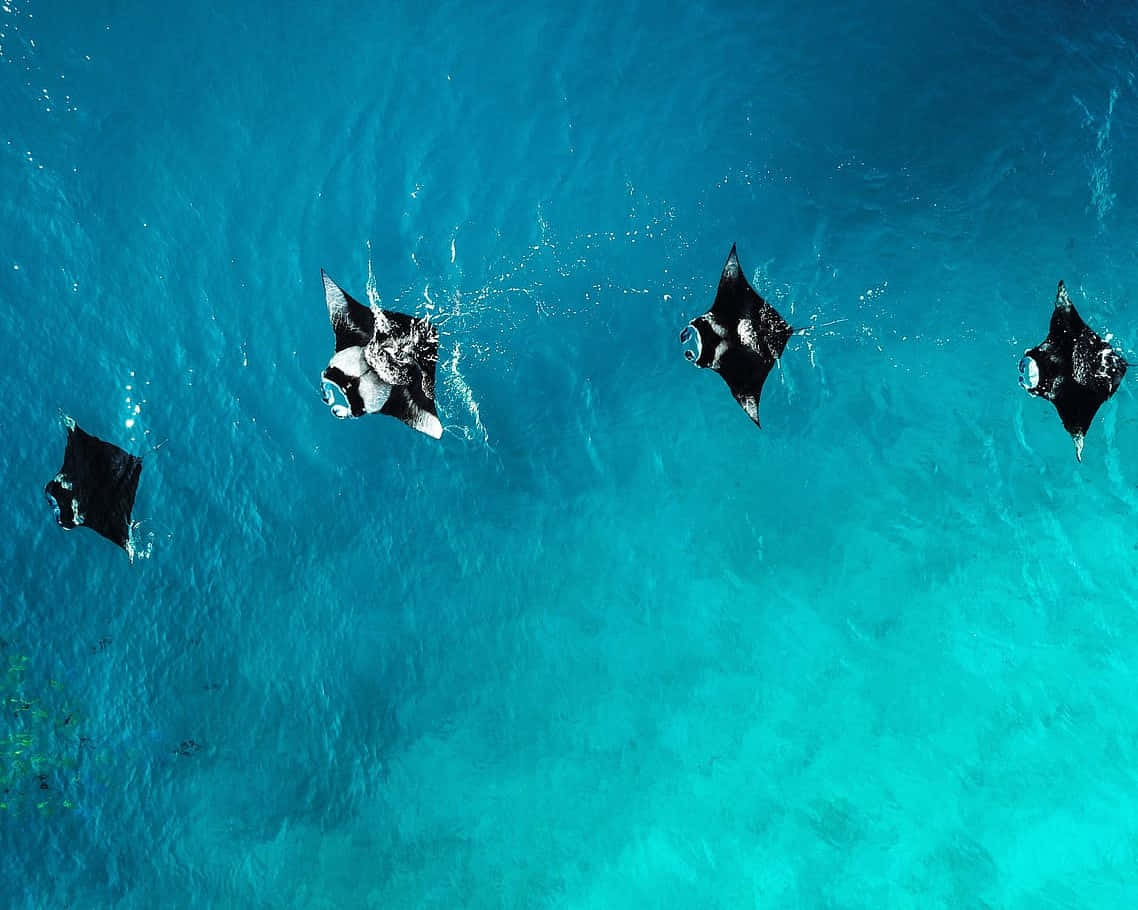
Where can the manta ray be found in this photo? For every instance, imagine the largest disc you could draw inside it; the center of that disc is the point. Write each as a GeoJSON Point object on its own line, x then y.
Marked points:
{"type": "Point", "coordinates": [1073, 368]}
{"type": "Point", "coordinates": [384, 363]}
{"type": "Point", "coordinates": [96, 487]}
{"type": "Point", "coordinates": [741, 337]}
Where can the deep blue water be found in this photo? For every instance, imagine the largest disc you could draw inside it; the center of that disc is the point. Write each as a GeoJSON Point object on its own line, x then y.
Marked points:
{"type": "Point", "coordinates": [606, 644]}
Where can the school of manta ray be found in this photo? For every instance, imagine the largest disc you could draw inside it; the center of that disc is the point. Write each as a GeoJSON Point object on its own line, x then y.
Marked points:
{"type": "Point", "coordinates": [383, 362]}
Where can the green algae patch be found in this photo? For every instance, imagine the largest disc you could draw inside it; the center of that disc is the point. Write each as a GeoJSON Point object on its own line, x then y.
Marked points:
{"type": "Point", "coordinates": [40, 739]}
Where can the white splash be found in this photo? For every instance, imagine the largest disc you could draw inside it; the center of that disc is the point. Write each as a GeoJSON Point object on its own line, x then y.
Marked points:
{"type": "Point", "coordinates": [455, 381]}
{"type": "Point", "coordinates": [372, 289]}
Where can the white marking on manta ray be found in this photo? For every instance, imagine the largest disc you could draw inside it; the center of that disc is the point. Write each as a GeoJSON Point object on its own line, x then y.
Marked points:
{"type": "Point", "coordinates": [716, 327]}
{"type": "Point", "coordinates": [337, 308]}
{"type": "Point", "coordinates": [720, 350]}
{"type": "Point", "coordinates": [748, 335]}
{"type": "Point", "coordinates": [751, 406]}
{"type": "Point", "coordinates": [1106, 363]}
{"type": "Point", "coordinates": [1057, 383]}
{"type": "Point", "coordinates": [350, 361]}
{"type": "Point", "coordinates": [690, 334]}
{"type": "Point", "coordinates": [427, 423]}
{"type": "Point", "coordinates": [374, 392]}
{"type": "Point", "coordinates": [328, 391]}
{"type": "Point", "coordinates": [1061, 298]}
{"type": "Point", "coordinates": [392, 359]}
{"type": "Point", "coordinates": [383, 325]}
{"type": "Point", "coordinates": [1028, 372]}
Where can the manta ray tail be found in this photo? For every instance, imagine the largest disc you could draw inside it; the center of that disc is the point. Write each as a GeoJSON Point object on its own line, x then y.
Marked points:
{"type": "Point", "coordinates": [808, 329]}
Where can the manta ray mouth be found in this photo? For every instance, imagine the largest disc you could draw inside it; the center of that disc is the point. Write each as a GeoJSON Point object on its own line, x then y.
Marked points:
{"type": "Point", "coordinates": [335, 398]}
{"type": "Point", "coordinates": [54, 503]}
{"type": "Point", "coordinates": [1029, 373]}
{"type": "Point", "coordinates": [687, 336]}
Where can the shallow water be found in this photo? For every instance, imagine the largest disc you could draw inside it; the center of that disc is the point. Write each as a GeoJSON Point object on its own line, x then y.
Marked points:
{"type": "Point", "coordinates": [606, 644]}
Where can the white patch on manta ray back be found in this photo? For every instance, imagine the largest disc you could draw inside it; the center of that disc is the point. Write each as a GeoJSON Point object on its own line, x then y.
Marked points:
{"type": "Point", "coordinates": [748, 335]}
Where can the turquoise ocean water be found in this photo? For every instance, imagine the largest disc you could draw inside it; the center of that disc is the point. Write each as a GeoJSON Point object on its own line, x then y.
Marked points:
{"type": "Point", "coordinates": [606, 644]}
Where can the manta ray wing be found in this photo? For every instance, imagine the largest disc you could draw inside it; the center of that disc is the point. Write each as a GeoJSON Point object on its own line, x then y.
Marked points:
{"type": "Point", "coordinates": [352, 322]}
{"type": "Point", "coordinates": [408, 357]}
{"type": "Point", "coordinates": [419, 414]}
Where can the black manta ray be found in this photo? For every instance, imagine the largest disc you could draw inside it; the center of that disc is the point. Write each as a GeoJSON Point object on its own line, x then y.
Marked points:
{"type": "Point", "coordinates": [740, 337]}
{"type": "Point", "coordinates": [1073, 368]}
{"type": "Point", "coordinates": [96, 486]}
{"type": "Point", "coordinates": [384, 363]}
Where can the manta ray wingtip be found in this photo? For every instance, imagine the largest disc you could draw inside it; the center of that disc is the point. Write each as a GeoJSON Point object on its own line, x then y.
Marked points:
{"type": "Point", "coordinates": [731, 267]}
{"type": "Point", "coordinates": [1061, 298]}
{"type": "Point", "coordinates": [750, 404]}
{"type": "Point", "coordinates": [1079, 440]}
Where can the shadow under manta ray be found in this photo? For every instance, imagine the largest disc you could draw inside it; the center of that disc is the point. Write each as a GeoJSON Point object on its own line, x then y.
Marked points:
{"type": "Point", "coordinates": [96, 487]}
{"type": "Point", "coordinates": [1073, 368]}
{"type": "Point", "coordinates": [384, 363]}
{"type": "Point", "coordinates": [741, 337]}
